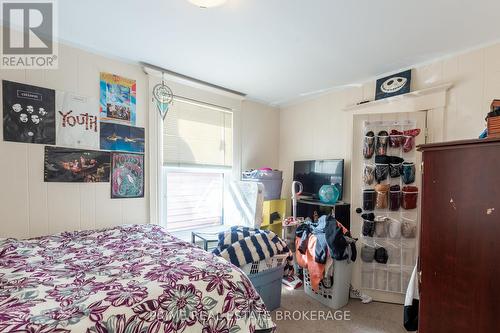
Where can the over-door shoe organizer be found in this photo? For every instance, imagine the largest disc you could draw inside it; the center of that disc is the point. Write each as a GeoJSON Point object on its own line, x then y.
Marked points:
{"type": "Point", "coordinates": [390, 198]}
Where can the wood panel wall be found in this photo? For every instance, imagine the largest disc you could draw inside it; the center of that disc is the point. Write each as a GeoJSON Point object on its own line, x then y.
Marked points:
{"type": "Point", "coordinates": [28, 206]}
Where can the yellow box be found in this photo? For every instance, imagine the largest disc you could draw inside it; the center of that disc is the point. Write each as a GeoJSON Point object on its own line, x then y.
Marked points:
{"type": "Point", "coordinates": [270, 207]}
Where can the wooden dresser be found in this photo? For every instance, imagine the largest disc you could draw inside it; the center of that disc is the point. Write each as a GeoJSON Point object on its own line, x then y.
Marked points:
{"type": "Point", "coordinates": [460, 237]}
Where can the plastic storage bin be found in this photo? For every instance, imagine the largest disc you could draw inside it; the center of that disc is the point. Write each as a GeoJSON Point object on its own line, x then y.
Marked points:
{"type": "Point", "coordinates": [266, 276]}
{"type": "Point", "coordinates": [337, 296]}
{"type": "Point", "coordinates": [271, 179]}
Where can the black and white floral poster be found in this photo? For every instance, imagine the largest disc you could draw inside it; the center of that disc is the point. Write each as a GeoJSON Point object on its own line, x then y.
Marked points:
{"type": "Point", "coordinates": [28, 113]}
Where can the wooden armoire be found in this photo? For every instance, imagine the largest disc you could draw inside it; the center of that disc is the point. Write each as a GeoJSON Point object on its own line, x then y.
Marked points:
{"type": "Point", "coordinates": [459, 259]}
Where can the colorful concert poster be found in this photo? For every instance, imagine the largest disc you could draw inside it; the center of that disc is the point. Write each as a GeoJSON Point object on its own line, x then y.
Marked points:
{"type": "Point", "coordinates": [76, 166]}
{"type": "Point", "coordinates": [122, 138]}
{"type": "Point", "coordinates": [118, 99]}
{"type": "Point", "coordinates": [77, 121]}
{"type": "Point", "coordinates": [127, 175]}
{"type": "Point", "coordinates": [28, 113]}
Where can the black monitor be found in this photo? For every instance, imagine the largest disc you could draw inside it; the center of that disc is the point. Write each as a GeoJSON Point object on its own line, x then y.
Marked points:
{"type": "Point", "coordinates": [314, 174]}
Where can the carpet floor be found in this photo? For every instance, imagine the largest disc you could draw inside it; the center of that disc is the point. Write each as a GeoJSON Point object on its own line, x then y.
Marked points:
{"type": "Point", "coordinates": [374, 317]}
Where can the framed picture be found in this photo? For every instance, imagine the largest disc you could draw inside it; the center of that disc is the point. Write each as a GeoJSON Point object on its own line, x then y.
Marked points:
{"type": "Point", "coordinates": [118, 99]}
{"type": "Point", "coordinates": [28, 113]}
{"type": "Point", "coordinates": [69, 165]}
{"type": "Point", "coordinates": [77, 121]}
{"type": "Point", "coordinates": [127, 175]}
{"type": "Point", "coordinates": [122, 137]}
{"type": "Point", "coordinates": [393, 85]}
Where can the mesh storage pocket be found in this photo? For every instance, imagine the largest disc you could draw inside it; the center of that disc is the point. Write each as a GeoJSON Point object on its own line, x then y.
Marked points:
{"type": "Point", "coordinates": [394, 279]}
{"type": "Point", "coordinates": [369, 197]}
{"type": "Point", "coordinates": [367, 276]}
{"type": "Point", "coordinates": [408, 143]}
{"type": "Point", "coordinates": [408, 172]}
{"type": "Point", "coordinates": [368, 145]}
{"type": "Point", "coordinates": [381, 172]}
{"type": "Point", "coordinates": [395, 170]}
{"type": "Point", "coordinates": [382, 196]}
{"type": "Point", "coordinates": [394, 253]}
{"type": "Point", "coordinates": [380, 281]}
{"type": "Point", "coordinates": [394, 229]}
{"type": "Point", "coordinates": [382, 143]}
{"type": "Point", "coordinates": [367, 253]}
{"type": "Point", "coordinates": [380, 227]}
{"type": "Point", "coordinates": [408, 256]}
{"type": "Point", "coordinates": [408, 229]}
{"type": "Point", "coordinates": [394, 197]}
{"type": "Point", "coordinates": [368, 228]}
{"type": "Point", "coordinates": [368, 174]}
{"type": "Point", "coordinates": [395, 140]}
{"type": "Point", "coordinates": [410, 197]}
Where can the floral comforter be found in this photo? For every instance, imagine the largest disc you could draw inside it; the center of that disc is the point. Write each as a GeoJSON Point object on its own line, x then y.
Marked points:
{"type": "Point", "coordinates": [134, 278]}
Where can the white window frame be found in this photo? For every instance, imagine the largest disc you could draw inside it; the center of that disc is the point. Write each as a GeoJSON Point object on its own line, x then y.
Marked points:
{"type": "Point", "coordinates": [155, 177]}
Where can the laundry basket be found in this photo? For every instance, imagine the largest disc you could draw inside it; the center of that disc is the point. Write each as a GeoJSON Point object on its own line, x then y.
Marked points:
{"type": "Point", "coordinates": [266, 276]}
{"type": "Point", "coordinates": [337, 296]}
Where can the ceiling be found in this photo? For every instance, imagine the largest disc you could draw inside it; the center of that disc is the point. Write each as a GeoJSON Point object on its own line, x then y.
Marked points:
{"type": "Point", "coordinates": [278, 51]}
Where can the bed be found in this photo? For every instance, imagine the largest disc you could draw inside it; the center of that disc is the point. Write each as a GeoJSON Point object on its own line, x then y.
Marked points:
{"type": "Point", "coordinates": [133, 278]}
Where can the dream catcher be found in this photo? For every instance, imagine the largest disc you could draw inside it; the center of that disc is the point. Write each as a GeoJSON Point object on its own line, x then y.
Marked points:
{"type": "Point", "coordinates": [163, 97]}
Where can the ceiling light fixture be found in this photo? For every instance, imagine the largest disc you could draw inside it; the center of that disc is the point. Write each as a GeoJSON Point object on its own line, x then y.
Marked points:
{"type": "Point", "coordinates": [207, 3]}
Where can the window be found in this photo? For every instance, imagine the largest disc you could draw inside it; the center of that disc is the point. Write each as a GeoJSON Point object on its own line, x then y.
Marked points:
{"type": "Point", "coordinates": [197, 156]}
{"type": "Point", "coordinates": [194, 199]}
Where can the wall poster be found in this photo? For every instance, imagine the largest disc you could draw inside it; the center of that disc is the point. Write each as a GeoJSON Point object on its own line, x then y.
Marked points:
{"type": "Point", "coordinates": [28, 113]}
{"type": "Point", "coordinates": [77, 121]}
{"type": "Point", "coordinates": [127, 175]}
{"type": "Point", "coordinates": [76, 165]}
{"type": "Point", "coordinates": [122, 137]}
{"type": "Point", "coordinates": [118, 99]}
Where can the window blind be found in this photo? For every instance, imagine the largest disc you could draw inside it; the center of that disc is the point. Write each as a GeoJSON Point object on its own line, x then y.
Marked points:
{"type": "Point", "coordinates": [194, 199]}
{"type": "Point", "coordinates": [197, 135]}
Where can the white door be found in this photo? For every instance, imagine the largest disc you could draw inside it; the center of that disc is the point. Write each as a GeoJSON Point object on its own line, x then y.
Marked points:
{"type": "Point", "coordinates": [388, 281]}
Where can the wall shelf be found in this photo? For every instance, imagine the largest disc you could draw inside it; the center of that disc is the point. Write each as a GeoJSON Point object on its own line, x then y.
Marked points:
{"type": "Point", "coordinates": [411, 97]}
{"type": "Point", "coordinates": [319, 203]}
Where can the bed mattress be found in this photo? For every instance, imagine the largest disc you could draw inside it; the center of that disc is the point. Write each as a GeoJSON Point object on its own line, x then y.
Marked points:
{"type": "Point", "coordinates": [133, 278]}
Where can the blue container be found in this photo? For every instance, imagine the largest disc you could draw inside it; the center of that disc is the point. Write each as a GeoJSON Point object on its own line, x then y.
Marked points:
{"type": "Point", "coordinates": [268, 285]}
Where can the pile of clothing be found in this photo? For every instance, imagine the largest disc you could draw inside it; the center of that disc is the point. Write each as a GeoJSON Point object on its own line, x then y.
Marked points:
{"type": "Point", "coordinates": [244, 245]}
{"type": "Point", "coordinates": [318, 244]}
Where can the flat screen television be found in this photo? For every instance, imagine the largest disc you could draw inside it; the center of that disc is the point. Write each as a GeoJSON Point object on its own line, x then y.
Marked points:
{"type": "Point", "coordinates": [314, 174]}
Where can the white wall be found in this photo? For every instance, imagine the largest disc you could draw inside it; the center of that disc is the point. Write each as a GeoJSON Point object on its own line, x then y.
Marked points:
{"type": "Point", "coordinates": [259, 136]}
{"type": "Point", "coordinates": [30, 207]}
{"type": "Point", "coordinates": [318, 128]}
